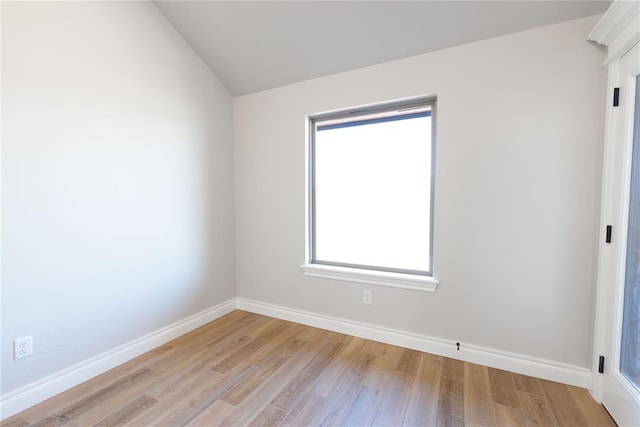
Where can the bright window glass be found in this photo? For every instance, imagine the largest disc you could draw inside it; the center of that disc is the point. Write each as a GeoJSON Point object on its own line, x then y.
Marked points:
{"type": "Point", "coordinates": [630, 345]}
{"type": "Point", "coordinates": [371, 196]}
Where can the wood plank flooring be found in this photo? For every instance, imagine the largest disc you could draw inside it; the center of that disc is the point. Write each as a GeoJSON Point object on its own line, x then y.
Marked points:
{"type": "Point", "coordinates": [247, 369]}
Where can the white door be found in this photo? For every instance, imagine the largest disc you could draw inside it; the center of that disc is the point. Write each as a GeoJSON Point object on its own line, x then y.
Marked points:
{"type": "Point", "coordinates": [619, 278]}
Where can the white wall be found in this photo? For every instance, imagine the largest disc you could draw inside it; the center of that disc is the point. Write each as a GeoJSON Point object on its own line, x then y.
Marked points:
{"type": "Point", "coordinates": [516, 202]}
{"type": "Point", "coordinates": [117, 182]}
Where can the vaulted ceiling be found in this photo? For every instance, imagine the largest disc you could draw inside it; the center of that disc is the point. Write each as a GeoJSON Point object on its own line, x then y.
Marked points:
{"type": "Point", "coordinates": [257, 45]}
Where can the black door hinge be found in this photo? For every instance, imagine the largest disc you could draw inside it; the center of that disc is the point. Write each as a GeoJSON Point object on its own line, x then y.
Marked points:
{"type": "Point", "coordinates": [608, 237]}
{"type": "Point", "coordinates": [601, 364]}
{"type": "Point", "coordinates": [616, 96]}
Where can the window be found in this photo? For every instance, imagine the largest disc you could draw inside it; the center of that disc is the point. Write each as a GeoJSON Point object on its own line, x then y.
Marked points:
{"type": "Point", "coordinates": [370, 194]}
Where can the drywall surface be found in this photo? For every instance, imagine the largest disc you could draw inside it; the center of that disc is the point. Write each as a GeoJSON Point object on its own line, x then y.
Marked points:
{"type": "Point", "coordinates": [516, 199]}
{"type": "Point", "coordinates": [117, 182]}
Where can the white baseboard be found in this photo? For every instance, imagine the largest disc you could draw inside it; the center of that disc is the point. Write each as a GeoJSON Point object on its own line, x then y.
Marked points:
{"type": "Point", "coordinates": [36, 392]}
{"type": "Point", "coordinates": [18, 400]}
{"type": "Point", "coordinates": [526, 365]}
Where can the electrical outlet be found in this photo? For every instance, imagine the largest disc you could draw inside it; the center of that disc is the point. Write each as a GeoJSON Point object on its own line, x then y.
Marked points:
{"type": "Point", "coordinates": [22, 347]}
{"type": "Point", "coordinates": [366, 297]}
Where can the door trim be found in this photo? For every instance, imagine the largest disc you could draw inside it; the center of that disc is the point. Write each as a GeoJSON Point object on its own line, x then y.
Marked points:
{"type": "Point", "coordinates": [619, 31]}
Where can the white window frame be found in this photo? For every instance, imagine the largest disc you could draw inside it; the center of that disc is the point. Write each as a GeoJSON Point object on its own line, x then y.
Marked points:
{"type": "Point", "coordinates": [418, 281]}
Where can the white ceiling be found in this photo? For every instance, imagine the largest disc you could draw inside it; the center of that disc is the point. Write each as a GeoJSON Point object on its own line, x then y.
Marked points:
{"type": "Point", "coordinates": [257, 45]}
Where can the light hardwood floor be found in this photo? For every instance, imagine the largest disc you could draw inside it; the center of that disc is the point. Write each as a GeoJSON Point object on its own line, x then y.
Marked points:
{"type": "Point", "coordinates": [247, 369]}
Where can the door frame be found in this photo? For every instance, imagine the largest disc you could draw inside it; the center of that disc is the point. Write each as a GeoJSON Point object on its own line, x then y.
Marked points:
{"type": "Point", "coordinates": [619, 31]}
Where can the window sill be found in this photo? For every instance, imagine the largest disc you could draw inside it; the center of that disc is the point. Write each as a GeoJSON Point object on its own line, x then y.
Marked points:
{"type": "Point", "coordinates": [372, 277]}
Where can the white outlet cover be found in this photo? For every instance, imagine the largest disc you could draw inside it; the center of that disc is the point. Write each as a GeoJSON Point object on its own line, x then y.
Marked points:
{"type": "Point", "coordinates": [366, 297]}
{"type": "Point", "coordinates": [22, 347]}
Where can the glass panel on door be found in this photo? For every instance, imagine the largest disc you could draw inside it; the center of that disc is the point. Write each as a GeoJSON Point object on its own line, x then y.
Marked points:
{"type": "Point", "coordinates": [630, 345]}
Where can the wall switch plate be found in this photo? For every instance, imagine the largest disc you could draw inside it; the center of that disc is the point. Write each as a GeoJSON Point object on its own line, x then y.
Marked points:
{"type": "Point", "coordinates": [22, 347]}
{"type": "Point", "coordinates": [366, 297]}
